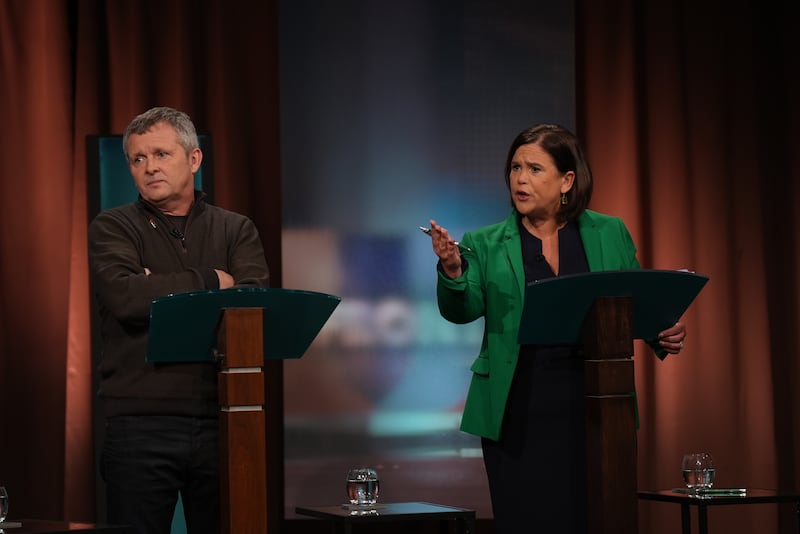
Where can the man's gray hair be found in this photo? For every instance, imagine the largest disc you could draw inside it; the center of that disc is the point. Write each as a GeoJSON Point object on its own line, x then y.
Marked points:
{"type": "Point", "coordinates": [187, 135]}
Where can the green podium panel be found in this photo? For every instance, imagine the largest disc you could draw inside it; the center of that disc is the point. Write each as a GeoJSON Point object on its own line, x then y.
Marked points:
{"type": "Point", "coordinates": [183, 326]}
{"type": "Point", "coordinates": [555, 308]}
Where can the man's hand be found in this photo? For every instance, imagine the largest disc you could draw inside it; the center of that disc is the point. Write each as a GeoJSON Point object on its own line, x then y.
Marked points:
{"type": "Point", "coordinates": [225, 280]}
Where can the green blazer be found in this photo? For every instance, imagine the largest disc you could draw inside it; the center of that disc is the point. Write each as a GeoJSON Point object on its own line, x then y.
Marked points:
{"type": "Point", "coordinates": [493, 287]}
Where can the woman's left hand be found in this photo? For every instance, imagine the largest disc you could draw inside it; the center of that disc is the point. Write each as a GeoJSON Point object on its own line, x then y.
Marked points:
{"type": "Point", "coordinates": [672, 339]}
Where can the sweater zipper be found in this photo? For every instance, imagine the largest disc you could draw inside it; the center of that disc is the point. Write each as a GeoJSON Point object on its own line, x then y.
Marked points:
{"type": "Point", "coordinates": [177, 234]}
{"type": "Point", "coordinates": [174, 232]}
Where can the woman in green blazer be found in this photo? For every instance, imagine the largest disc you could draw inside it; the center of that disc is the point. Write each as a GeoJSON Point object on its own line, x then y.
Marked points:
{"type": "Point", "coordinates": [526, 402]}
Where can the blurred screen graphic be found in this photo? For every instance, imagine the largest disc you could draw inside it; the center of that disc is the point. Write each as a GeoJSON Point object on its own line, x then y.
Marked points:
{"type": "Point", "coordinates": [393, 113]}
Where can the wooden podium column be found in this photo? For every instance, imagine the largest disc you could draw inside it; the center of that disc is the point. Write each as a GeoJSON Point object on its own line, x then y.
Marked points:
{"type": "Point", "coordinates": [610, 417]}
{"type": "Point", "coordinates": [242, 436]}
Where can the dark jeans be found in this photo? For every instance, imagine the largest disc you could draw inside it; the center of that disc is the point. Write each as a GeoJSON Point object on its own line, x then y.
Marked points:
{"type": "Point", "coordinates": [148, 460]}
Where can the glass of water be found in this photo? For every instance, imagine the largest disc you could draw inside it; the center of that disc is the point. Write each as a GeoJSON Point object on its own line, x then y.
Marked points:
{"type": "Point", "coordinates": [698, 470]}
{"type": "Point", "coordinates": [362, 486]}
{"type": "Point", "coordinates": [3, 503]}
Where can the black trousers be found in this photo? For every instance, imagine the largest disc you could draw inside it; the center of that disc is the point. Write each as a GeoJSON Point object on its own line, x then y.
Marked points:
{"type": "Point", "coordinates": [148, 460]}
{"type": "Point", "coordinates": [537, 471]}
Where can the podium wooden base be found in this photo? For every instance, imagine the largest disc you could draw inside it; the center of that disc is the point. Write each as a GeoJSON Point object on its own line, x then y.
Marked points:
{"type": "Point", "coordinates": [242, 423]}
{"type": "Point", "coordinates": [610, 418]}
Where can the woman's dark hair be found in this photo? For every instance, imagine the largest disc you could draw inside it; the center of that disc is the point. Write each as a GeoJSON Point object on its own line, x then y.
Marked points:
{"type": "Point", "coordinates": [566, 151]}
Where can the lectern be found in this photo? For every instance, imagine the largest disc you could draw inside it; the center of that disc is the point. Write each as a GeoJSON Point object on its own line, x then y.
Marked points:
{"type": "Point", "coordinates": [238, 328]}
{"type": "Point", "coordinates": [605, 312]}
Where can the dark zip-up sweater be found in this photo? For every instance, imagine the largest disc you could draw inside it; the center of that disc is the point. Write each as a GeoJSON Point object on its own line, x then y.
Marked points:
{"type": "Point", "coordinates": [123, 241]}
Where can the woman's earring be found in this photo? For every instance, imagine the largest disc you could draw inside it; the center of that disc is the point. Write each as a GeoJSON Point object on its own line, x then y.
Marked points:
{"type": "Point", "coordinates": [564, 200]}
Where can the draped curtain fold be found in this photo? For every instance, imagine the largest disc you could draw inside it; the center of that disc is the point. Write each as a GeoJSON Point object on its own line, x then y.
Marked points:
{"type": "Point", "coordinates": [75, 68]}
{"type": "Point", "coordinates": [689, 114]}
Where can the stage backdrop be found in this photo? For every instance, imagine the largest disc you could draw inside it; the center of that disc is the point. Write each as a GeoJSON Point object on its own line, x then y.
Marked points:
{"type": "Point", "coordinates": [393, 114]}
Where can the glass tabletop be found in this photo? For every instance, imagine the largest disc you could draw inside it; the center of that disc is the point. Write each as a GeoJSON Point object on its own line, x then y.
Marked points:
{"type": "Point", "coordinates": [734, 496]}
{"type": "Point", "coordinates": [397, 510]}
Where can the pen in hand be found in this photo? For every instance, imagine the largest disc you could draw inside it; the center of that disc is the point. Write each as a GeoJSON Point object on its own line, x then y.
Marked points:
{"type": "Point", "coordinates": [427, 230]}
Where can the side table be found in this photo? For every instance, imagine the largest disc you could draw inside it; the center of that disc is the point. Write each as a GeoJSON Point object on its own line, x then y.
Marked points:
{"type": "Point", "coordinates": [344, 517]}
{"type": "Point", "coordinates": [751, 496]}
{"type": "Point", "coordinates": [40, 526]}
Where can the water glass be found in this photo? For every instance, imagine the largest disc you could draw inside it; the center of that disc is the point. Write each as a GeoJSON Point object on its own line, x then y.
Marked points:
{"type": "Point", "coordinates": [3, 503]}
{"type": "Point", "coordinates": [698, 470]}
{"type": "Point", "coordinates": [362, 486]}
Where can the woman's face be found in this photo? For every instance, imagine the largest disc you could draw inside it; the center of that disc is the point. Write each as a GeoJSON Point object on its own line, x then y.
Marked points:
{"type": "Point", "coordinates": [536, 184]}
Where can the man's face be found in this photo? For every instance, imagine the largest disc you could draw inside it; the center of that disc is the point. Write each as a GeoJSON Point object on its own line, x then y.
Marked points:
{"type": "Point", "coordinates": [162, 170]}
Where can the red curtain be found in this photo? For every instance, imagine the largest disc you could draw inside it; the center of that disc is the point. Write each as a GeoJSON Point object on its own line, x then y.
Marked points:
{"type": "Point", "coordinates": [76, 68]}
{"type": "Point", "coordinates": [689, 114]}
